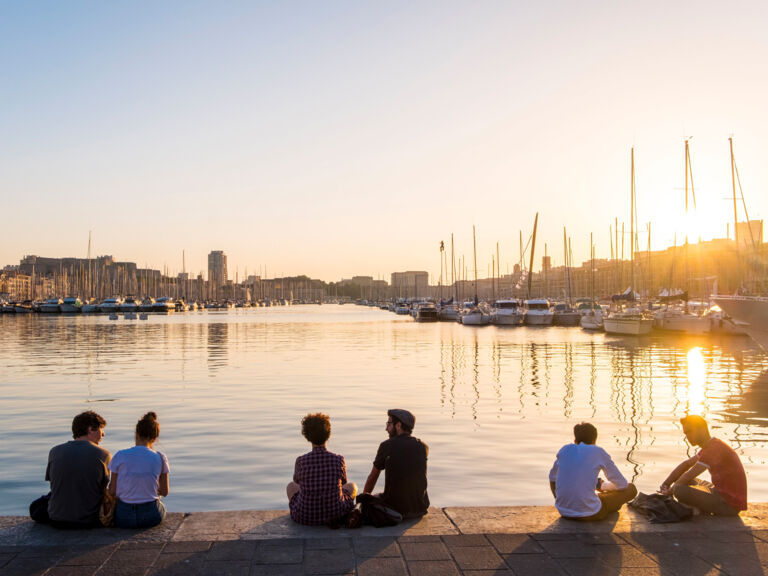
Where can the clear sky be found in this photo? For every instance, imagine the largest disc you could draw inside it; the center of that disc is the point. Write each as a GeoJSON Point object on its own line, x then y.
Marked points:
{"type": "Point", "coordinates": [341, 138]}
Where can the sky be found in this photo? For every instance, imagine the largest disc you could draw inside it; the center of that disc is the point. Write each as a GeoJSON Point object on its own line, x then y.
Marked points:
{"type": "Point", "coordinates": [343, 138]}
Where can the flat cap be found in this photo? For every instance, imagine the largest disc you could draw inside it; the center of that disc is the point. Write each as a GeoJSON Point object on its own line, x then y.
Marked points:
{"type": "Point", "coordinates": [408, 419]}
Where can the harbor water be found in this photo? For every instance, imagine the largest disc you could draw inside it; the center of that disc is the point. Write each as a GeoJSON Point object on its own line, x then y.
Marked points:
{"type": "Point", "coordinates": [493, 404]}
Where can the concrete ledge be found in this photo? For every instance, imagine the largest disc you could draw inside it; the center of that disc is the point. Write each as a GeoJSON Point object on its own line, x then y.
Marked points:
{"type": "Point", "coordinates": [276, 524]}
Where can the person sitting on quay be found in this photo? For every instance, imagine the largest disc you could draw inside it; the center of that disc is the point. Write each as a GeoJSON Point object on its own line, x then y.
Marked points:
{"type": "Point", "coordinates": [77, 472]}
{"type": "Point", "coordinates": [404, 459]}
{"type": "Point", "coordinates": [727, 494]}
{"type": "Point", "coordinates": [320, 494]}
{"type": "Point", "coordinates": [579, 493]}
{"type": "Point", "coordinates": [140, 478]}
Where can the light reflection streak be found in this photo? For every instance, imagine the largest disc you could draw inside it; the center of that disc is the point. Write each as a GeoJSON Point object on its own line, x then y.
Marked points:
{"type": "Point", "coordinates": [697, 376]}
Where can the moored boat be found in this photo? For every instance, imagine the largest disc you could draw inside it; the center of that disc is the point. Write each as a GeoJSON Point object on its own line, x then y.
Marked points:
{"type": "Point", "coordinates": [564, 315]}
{"type": "Point", "coordinates": [426, 312]}
{"type": "Point", "coordinates": [507, 313]}
{"type": "Point", "coordinates": [538, 312]}
{"type": "Point", "coordinates": [51, 306]}
{"type": "Point", "coordinates": [751, 314]}
{"type": "Point", "coordinates": [164, 304]}
{"type": "Point", "coordinates": [110, 305]}
{"type": "Point", "coordinates": [71, 305]}
{"type": "Point", "coordinates": [130, 304]}
{"type": "Point", "coordinates": [631, 322]}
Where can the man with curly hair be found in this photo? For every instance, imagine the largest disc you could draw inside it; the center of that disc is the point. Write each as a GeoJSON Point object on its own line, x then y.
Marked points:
{"type": "Point", "coordinates": [320, 494]}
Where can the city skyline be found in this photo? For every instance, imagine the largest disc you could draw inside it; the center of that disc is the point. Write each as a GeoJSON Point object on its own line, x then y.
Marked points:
{"type": "Point", "coordinates": [340, 140]}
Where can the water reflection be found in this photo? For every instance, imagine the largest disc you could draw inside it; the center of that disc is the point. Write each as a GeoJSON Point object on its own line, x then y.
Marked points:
{"type": "Point", "coordinates": [472, 391]}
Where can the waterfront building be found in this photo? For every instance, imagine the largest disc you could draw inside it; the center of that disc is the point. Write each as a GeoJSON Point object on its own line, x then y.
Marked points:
{"type": "Point", "coordinates": [217, 273]}
{"type": "Point", "coordinates": [411, 284]}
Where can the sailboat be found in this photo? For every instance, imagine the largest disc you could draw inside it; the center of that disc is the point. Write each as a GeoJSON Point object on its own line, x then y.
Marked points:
{"type": "Point", "coordinates": [679, 317]}
{"type": "Point", "coordinates": [477, 315]}
{"type": "Point", "coordinates": [629, 320]}
{"type": "Point", "coordinates": [592, 318]}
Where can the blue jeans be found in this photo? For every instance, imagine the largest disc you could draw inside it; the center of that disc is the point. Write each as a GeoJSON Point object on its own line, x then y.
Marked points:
{"type": "Point", "coordinates": [144, 515]}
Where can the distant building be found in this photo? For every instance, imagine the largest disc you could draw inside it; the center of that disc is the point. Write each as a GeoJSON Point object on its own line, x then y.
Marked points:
{"type": "Point", "coordinates": [750, 233]}
{"type": "Point", "coordinates": [217, 272]}
{"type": "Point", "coordinates": [411, 284]}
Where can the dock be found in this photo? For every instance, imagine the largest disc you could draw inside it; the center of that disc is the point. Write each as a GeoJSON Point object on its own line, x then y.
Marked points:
{"type": "Point", "coordinates": [469, 541]}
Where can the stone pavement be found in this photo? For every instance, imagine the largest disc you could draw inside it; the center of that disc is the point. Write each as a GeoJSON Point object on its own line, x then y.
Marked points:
{"type": "Point", "coordinates": [450, 541]}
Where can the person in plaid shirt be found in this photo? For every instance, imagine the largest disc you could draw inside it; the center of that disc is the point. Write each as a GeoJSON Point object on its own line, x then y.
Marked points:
{"type": "Point", "coordinates": [320, 494]}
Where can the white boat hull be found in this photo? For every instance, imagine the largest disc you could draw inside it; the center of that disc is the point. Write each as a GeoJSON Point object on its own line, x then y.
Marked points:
{"type": "Point", "coordinates": [627, 326]}
{"type": "Point", "coordinates": [592, 322]}
{"type": "Point", "coordinates": [533, 319]}
{"type": "Point", "coordinates": [475, 319]}
{"type": "Point", "coordinates": [681, 322]}
{"type": "Point", "coordinates": [501, 319]}
{"type": "Point", "coordinates": [751, 313]}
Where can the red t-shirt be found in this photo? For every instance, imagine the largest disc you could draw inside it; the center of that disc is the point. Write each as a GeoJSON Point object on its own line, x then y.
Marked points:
{"type": "Point", "coordinates": [726, 471]}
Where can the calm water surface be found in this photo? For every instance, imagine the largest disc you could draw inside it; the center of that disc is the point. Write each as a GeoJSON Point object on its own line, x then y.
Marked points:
{"type": "Point", "coordinates": [494, 405]}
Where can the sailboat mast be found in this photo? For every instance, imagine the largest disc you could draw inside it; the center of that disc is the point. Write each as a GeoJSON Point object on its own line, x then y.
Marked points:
{"type": "Point", "coordinates": [474, 248]}
{"type": "Point", "coordinates": [533, 250]}
{"type": "Point", "coordinates": [735, 209]}
{"type": "Point", "coordinates": [632, 225]}
{"type": "Point", "coordinates": [453, 271]}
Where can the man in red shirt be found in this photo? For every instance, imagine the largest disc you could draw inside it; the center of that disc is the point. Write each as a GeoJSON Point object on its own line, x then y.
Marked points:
{"type": "Point", "coordinates": [726, 495]}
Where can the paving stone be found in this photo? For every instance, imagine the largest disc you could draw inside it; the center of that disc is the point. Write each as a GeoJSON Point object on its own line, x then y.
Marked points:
{"type": "Point", "coordinates": [736, 566]}
{"type": "Point", "coordinates": [433, 568]}
{"type": "Point", "coordinates": [328, 544]}
{"type": "Point", "coordinates": [231, 551]}
{"type": "Point", "coordinates": [424, 551]}
{"type": "Point", "coordinates": [6, 557]}
{"type": "Point", "coordinates": [416, 539]}
{"type": "Point", "coordinates": [328, 562]}
{"type": "Point", "coordinates": [655, 543]}
{"type": "Point", "coordinates": [568, 549]}
{"type": "Point", "coordinates": [533, 565]}
{"type": "Point", "coordinates": [602, 539]}
{"type": "Point", "coordinates": [277, 570]}
{"type": "Point", "coordinates": [682, 563]}
{"type": "Point", "coordinates": [26, 567]}
{"type": "Point", "coordinates": [479, 558]}
{"type": "Point", "coordinates": [129, 556]}
{"type": "Point", "coordinates": [72, 571]}
{"type": "Point", "coordinates": [458, 540]}
{"type": "Point", "coordinates": [624, 556]}
{"type": "Point", "coordinates": [587, 567]}
{"type": "Point", "coordinates": [279, 552]}
{"type": "Point", "coordinates": [515, 544]}
{"type": "Point", "coordinates": [178, 564]}
{"type": "Point", "coordinates": [378, 547]}
{"type": "Point", "coordinates": [42, 551]}
{"type": "Point", "coordinates": [553, 536]}
{"type": "Point", "coordinates": [636, 571]}
{"type": "Point", "coordinates": [233, 568]}
{"type": "Point", "coordinates": [381, 567]}
{"type": "Point", "coordinates": [497, 572]}
{"type": "Point", "coordinates": [732, 536]}
{"type": "Point", "coordinates": [192, 546]}
{"type": "Point", "coordinates": [121, 569]}
{"type": "Point", "coordinates": [87, 555]}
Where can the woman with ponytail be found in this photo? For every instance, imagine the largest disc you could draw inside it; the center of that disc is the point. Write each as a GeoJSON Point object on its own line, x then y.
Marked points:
{"type": "Point", "coordinates": [140, 478]}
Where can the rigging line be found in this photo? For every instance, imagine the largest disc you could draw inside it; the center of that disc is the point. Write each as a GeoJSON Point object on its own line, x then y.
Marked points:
{"type": "Point", "coordinates": [744, 203]}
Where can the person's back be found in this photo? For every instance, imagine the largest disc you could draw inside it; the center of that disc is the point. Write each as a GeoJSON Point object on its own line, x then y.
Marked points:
{"type": "Point", "coordinates": [574, 479]}
{"type": "Point", "coordinates": [404, 460]}
{"type": "Point", "coordinates": [77, 471]}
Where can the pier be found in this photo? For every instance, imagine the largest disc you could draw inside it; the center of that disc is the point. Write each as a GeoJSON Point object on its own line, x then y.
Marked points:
{"type": "Point", "coordinates": [448, 541]}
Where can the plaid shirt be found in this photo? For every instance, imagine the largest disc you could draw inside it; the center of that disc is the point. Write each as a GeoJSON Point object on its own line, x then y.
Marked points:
{"type": "Point", "coordinates": [320, 475]}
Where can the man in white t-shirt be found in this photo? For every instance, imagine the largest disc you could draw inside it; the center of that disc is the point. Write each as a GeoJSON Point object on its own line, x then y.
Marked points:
{"type": "Point", "coordinates": [579, 492]}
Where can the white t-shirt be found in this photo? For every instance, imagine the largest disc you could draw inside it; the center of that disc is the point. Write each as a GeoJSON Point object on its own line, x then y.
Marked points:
{"type": "Point", "coordinates": [575, 474]}
{"type": "Point", "coordinates": [138, 470]}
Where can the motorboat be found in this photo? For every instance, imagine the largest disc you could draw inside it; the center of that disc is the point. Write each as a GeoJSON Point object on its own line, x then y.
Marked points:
{"type": "Point", "coordinates": [507, 313]}
{"type": "Point", "coordinates": [71, 305]}
{"type": "Point", "coordinates": [592, 320]}
{"type": "Point", "coordinates": [130, 304]}
{"type": "Point", "coordinates": [538, 312]}
{"type": "Point", "coordinates": [564, 315]}
{"type": "Point", "coordinates": [164, 304]}
{"type": "Point", "coordinates": [448, 313]}
{"type": "Point", "coordinates": [477, 315]}
{"type": "Point", "coordinates": [181, 306]}
{"type": "Point", "coordinates": [51, 306]}
{"type": "Point", "coordinates": [628, 321]}
{"type": "Point", "coordinates": [110, 305]}
{"type": "Point", "coordinates": [90, 307]}
{"type": "Point", "coordinates": [750, 314]}
{"type": "Point", "coordinates": [426, 312]}
{"type": "Point", "coordinates": [679, 319]}
{"type": "Point", "coordinates": [147, 304]}
{"type": "Point", "coordinates": [25, 307]}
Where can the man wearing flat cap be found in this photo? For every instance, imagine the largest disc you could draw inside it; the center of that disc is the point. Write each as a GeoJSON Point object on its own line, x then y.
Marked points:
{"type": "Point", "coordinates": [404, 459]}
